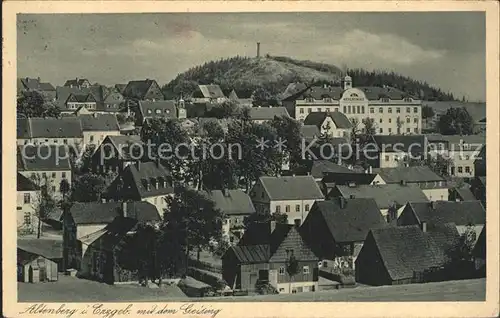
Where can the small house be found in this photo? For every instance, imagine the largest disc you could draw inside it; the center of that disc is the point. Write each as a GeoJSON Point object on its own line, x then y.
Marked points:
{"type": "Point", "coordinates": [38, 260]}
{"type": "Point", "coordinates": [390, 151]}
{"type": "Point", "coordinates": [96, 127]}
{"type": "Point", "coordinates": [143, 90]}
{"type": "Point", "coordinates": [115, 153]}
{"type": "Point", "coordinates": [333, 124]}
{"type": "Point", "coordinates": [278, 257]}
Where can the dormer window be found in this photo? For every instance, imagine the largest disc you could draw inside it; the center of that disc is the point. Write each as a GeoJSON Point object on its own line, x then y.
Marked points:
{"type": "Point", "coordinates": [167, 111]}
{"type": "Point", "coordinates": [158, 111]}
{"type": "Point", "coordinates": [327, 100]}
{"type": "Point", "coordinates": [309, 99]}
{"type": "Point", "coordinates": [408, 100]}
{"type": "Point", "coordinates": [384, 100]}
{"type": "Point", "coordinates": [149, 111]}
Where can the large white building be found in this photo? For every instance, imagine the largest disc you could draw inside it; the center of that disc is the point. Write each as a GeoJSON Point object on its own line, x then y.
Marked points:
{"type": "Point", "coordinates": [393, 111]}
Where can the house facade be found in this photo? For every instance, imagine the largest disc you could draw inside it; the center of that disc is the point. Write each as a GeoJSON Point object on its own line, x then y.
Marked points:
{"type": "Point", "coordinates": [393, 111]}
{"type": "Point", "coordinates": [391, 151]}
{"type": "Point", "coordinates": [143, 90]}
{"type": "Point", "coordinates": [49, 131]}
{"type": "Point", "coordinates": [289, 195]}
{"type": "Point", "coordinates": [96, 127]}
{"type": "Point", "coordinates": [27, 197]}
{"type": "Point", "coordinates": [115, 153]}
{"type": "Point", "coordinates": [78, 83]}
{"type": "Point", "coordinates": [27, 84]}
{"type": "Point", "coordinates": [334, 124]}
{"type": "Point", "coordinates": [208, 94]}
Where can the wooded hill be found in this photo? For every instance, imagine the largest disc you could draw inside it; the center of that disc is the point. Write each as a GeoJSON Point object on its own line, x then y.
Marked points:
{"type": "Point", "coordinates": [274, 73]}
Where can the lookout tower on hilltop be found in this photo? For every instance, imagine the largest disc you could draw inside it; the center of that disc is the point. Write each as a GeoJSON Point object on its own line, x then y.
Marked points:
{"type": "Point", "coordinates": [258, 49]}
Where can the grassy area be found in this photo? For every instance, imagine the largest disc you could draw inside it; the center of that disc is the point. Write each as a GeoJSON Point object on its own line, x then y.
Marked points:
{"type": "Point", "coordinates": [71, 289]}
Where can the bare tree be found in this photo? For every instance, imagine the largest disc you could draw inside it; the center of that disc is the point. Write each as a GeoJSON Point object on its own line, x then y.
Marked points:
{"type": "Point", "coordinates": [43, 203]}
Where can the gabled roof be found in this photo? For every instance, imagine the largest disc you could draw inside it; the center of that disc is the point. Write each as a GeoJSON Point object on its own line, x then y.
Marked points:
{"type": "Point", "coordinates": [64, 93]}
{"type": "Point", "coordinates": [317, 119]}
{"type": "Point", "coordinates": [405, 250]}
{"type": "Point", "coordinates": [48, 248]}
{"type": "Point", "coordinates": [115, 232]}
{"type": "Point", "coordinates": [397, 143]}
{"type": "Point", "coordinates": [408, 174]}
{"type": "Point", "coordinates": [318, 168]}
{"type": "Point", "coordinates": [480, 246]}
{"type": "Point", "coordinates": [163, 108]}
{"type": "Point", "coordinates": [251, 254]}
{"type": "Point", "coordinates": [385, 194]}
{"type": "Point", "coordinates": [464, 194]}
{"type": "Point", "coordinates": [120, 87]}
{"type": "Point", "coordinates": [122, 144]}
{"type": "Point", "coordinates": [99, 122]}
{"type": "Point", "coordinates": [287, 238]}
{"type": "Point", "coordinates": [34, 84]}
{"type": "Point", "coordinates": [321, 92]}
{"type": "Point", "coordinates": [137, 89]}
{"type": "Point", "coordinates": [76, 82]}
{"type": "Point", "coordinates": [211, 91]}
{"type": "Point", "coordinates": [42, 158]}
{"type": "Point", "coordinates": [232, 202]}
{"type": "Point", "coordinates": [137, 181]}
{"type": "Point", "coordinates": [309, 132]}
{"type": "Point", "coordinates": [346, 178]}
{"type": "Point", "coordinates": [105, 213]}
{"type": "Point", "coordinates": [65, 127]}
{"type": "Point", "coordinates": [291, 188]}
{"type": "Point", "coordinates": [267, 113]}
{"type": "Point", "coordinates": [376, 92]}
{"type": "Point", "coordinates": [352, 222]}
{"type": "Point", "coordinates": [444, 235]}
{"type": "Point", "coordinates": [25, 184]}
{"type": "Point", "coordinates": [440, 212]}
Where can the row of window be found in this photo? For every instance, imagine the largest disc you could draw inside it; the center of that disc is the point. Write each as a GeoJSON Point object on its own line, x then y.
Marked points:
{"type": "Point", "coordinates": [305, 270]}
{"type": "Point", "coordinates": [329, 100]}
{"type": "Point", "coordinates": [65, 141]}
{"type": "Point", "coordinates": [77, 105]}
{"type": "Point", "coordinates": [408, 120]}
{"type": "Point", "coordinates": [389, 110]}
{"type": "Point", "coordinates": [461, 169]}
{"type": "Point", "coordinates": [158, 111]}
{"type": "Point", "coordinates": [287, 208]}
{"type": "Point", "coordinates": [53, 175]}
{"type": "Point", "coordinates": [408, 130]}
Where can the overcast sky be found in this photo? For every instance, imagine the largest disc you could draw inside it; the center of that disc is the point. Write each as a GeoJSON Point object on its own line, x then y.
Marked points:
{"type": "Point", "coordinates": [444, 49]}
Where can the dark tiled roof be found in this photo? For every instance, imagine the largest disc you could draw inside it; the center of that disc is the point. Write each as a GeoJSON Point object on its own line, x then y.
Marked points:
{"type": "Point", "coordinates": [386, 194]}
{"type": "Point", "coordinates": [136, 181]}
{"type": "Point", "coordinates": [75, 82]}
{"type": "Point", "coordinates": [480, 247]}
{"type": "Point", "coordinates": [317, 119]}
{"type": "Point", "coordinates": [291, 188]}
{"type": "Point", "coordinates": [35, 84]}
{"type": "Point", "coordinates": [232, 202]}
{"type": "Point", "coordinates": [309, 132]}
{"type": "Point", "coordinates": [42, 158]}
{"type": "Point", "coordinates": [376, 93]}
{"type": "Point", "coordinates": [285, 238]}
{"type": "Point", "coordinates": [440, 212]}
{"type": "Point", "coordinates": [320, 92]}
{"type": "Point", "coordinates": [293, 89]}
{"type": "Point", "coordinates": [25, 184]}
{"type": "Point", "coordinates": [352, 222]}
{"type": "Point", "coordinates": [64, 93]}
{"type": "Point", "coordinates": [164, 108]}
{"type": "Point", "coordinates": [66, 127]}
{"type": "Point", "coordinates": [99, 122]}
{"type": "Point", "coordinates": [211, 91]}
{"type": "Point", "coordinates": [137, 89]}
{"type": "Point", "coordinates": [48, 248]}
{"type": "Point", "coordinates": [405, 250]}
{"type": "Point", "coordinates": [396, 143]}
{"type": "Point", "coordinates": [318, 168]}
{"type": "Point", "coordinates": [464, 194]}
{"type": "Point", "coordinates": [408, 174]}
{"type": "Point", "coordinates": [345, 178]}
{"type": "Point", "coordinates": [445, 235]}
{"type": "Point", "coordinates": [267, 113]}
{"type": "Point", "coordinates": [23, 128]}
{"type": "Point", "coordinates": [249, 254]}
{"type": "Point", "coordinates": [105, 213]}
{"type": "Point", "coordinates": [114, 233]}
{"type": "Point", "coordinates": [120, 87]}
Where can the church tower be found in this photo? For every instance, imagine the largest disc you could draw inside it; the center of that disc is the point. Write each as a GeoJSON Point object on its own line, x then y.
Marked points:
{"type": "Point", "coordinates": [347, 82]}
{"type": "Point", "coordinates": [181, 109]}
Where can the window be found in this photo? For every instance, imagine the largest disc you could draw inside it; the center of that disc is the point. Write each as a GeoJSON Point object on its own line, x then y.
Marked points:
{"type": "Point", "coordinates": [336, 109]}
{"type": "Point", "coordinates": [319, 110]}
{"type": "Point", "coordinates": [345, 109]}
{"type": "Point", "coordinates": [309, 110]}
{"type": "Point", "coordinates": [65, 141]}
{"type": "Point", "coordinates": [297, 208]}
{"type": "Point", "coordinates": [407, 130]}
{"type": "Point", "coordinates": [408, 100]}
{"type": "Point", "coordinates": [467, 157]}
{"type": "Point", "coordinates": [415, 110]}
{"type": "Point", "coordinates": [282, 270]}
{"type": "Point", "coordinates": [381, 110]}
{"type": "Point", "coordinates": [467, 169]}
{"type": "Point", "coordinates": [55, 141]}
{"type": "Point", "coordinates": [63, 174]}
{"type": "Point", "coordinates": [44, 174]}
{"type": "Point", "coordinates": [53, 174]}
{"type": "Point", "coordinates": [390, 120]}
{"type": "Point", "coordinates": [363, 109]}
{"type": "Point", "coordinates": [278, 209]}
{"type": "Point", "coordinates": [91, 138]}
{"type": "Point", "coordinates": [301, 110]}
{"type": "Point", "coordinates": [287, 209]}
{"type": "Point", "coordinates": [305, 270]}
{"type": "Point", "coordinates": [27, 218]}
{"type": "Point", "coordinates": [27, 198]}
{"type": "Point", "coordinates": [372, 110]}
{"type": "Point", "coordinates": [408, 109]}
{"type": "Point", "coordinates": [149, 111]}
{"type": "Point", "coordinates": [381, 130]}
{"type": "Point", "coordinates": [349, 109]}
{"type": "Point", "coordinates": [415, 130]}
{"type": "Point", "coordinates": [386, 158]}
{"type": "Point", "coordinates": [389, 110]}
{"type": "Point", "coordinates": [262, 194]}
{"type": "Point", "coordinates": [381, 120]}
{"type": "Point", "coordinates": [460, 169]}
{"type": "Point", "coordinates": [306, 208]}
{"type": "Point", "coordinates": [407, 120]}
{"type": "Point", "coordinates": [358, 109]}
{"type": "Point", "coordinates": [53, 188]}
{"type": "Point", "coordinates": [158, 111]}
{"type": "Point", "coordinates": [398, 110]}
{"type": "Point", "coordinates": [390, 130]}
{"type": "Point", "coordinates": [310, 100]}
{"type": "Point", "coordinates": [415, 120]}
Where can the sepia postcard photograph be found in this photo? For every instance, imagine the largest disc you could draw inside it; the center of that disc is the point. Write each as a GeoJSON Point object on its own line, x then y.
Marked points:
{"type": "Point", "coordinates": [189, 159]}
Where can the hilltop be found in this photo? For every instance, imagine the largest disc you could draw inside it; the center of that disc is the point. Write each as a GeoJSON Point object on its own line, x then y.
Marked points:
{"type": "Point", "coordinates": [273, 74]}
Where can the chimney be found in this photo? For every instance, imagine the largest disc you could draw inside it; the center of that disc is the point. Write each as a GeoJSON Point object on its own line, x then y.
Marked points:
{"type": "Point", "coordinates": [94, 115]}
{"type": "Point", "coordinates": [258, 49]}
{"type": "Point", "coordinates": [272, 225]}
{"type": "Point", "coordinates": [433, 205]}
{"type": "Point", "coordinates": [38, 78]}
{"type": "Point", "coordinates": [423, 225]}
{"type": "Point", "coordinates": [342, 202]}
{"type": "Point", "coordinates": [124, 209]}
{"type": "Point", "coordinates": [138, 165]}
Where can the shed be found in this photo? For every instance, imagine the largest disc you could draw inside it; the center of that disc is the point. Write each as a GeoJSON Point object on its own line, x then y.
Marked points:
{"type": "Point", "coordinates": [35, 268]}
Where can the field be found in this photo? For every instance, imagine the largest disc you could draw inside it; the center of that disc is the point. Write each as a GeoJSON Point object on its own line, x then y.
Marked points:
{"type": "Point", "coordinates": [71, 289]}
